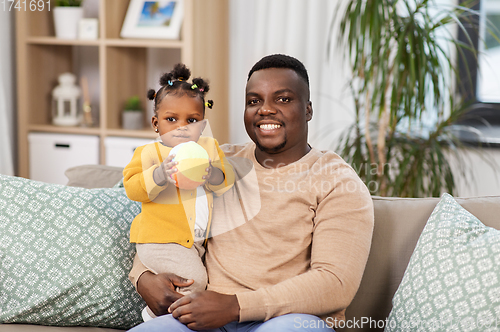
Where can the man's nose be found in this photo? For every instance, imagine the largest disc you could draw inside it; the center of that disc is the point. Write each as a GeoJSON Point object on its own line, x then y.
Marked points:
{"type": "Point", "coordinates": [266, 109]}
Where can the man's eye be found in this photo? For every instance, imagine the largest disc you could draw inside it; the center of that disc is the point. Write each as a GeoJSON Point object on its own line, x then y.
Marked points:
{"type": "Point", "coordinates": [192, 120]}
{"type": "Point", "coordinates": [252, 101]}
{"type": "Point", "coordinates": [284, 99]}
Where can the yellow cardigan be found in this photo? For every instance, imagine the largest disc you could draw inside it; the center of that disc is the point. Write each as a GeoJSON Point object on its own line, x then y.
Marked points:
{"type": "Point", "coordinates": [168, 213]}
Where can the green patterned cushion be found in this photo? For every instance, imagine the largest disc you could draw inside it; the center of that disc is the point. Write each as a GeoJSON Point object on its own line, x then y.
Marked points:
{"type": "Point", "coordinates": [65, 255]}
{"type": "Point", "coordinates": [452, 282]}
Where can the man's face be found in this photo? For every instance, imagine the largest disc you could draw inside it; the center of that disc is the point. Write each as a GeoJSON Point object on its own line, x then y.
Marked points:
{"type": "Point", "coordinates": [277, 110]}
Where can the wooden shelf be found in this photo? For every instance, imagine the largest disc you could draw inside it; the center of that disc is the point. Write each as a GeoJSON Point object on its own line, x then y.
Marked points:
{"type": "Point", "coordinates": [65, 130]}
{"type": "Point", "coordinates": [120, 68]}
{"type": "Point", "coordinates": [56, 41]}
{"type": "Point", "coordinates": [157, 43]}
{"type": "Point", "coordinates": [145, 133]}
{"type": "Point", "coordinates": [143, 43]}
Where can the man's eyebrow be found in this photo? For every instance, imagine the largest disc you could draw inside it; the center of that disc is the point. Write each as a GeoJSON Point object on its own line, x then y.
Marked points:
{"type": "Point", "coordinates": [283, 91]}
{"type": "Point", "coordinates": [287, 90]}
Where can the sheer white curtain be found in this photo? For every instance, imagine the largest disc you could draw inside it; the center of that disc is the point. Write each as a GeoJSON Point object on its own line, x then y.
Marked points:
{"type": "Point", "coordinates": [299, 28]}
{"type": "Point", "coordinates": [7, 125]}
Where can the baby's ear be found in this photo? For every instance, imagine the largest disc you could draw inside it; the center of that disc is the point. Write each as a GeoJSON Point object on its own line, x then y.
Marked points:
{"type": "Point", "coordinates": [154, 122]}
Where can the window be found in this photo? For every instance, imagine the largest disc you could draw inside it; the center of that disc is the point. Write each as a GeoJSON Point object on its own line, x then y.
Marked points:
{"type": "Point", "coordinates": [479, 77]}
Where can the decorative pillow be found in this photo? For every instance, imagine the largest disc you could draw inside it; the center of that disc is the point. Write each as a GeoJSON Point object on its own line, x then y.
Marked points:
{"type": "Point", "coordinates": [452, 282]}
{"type": "Point", "coordinates": [65, 255]}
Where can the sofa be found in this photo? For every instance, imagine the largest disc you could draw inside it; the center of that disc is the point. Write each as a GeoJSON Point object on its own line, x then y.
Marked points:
{"type": "Point", "coordinates": [399, 223]}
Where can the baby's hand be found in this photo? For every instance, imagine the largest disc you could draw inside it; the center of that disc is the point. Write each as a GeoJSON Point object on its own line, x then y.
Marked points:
{"type": "Point", "coordinates": [168, 168]}
{"type": "Point", "coordinates": [214, 175]}
{"type": "Point", "coordinates": [206, 177]}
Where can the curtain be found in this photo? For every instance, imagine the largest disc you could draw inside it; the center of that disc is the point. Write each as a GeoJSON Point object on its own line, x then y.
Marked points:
{"type": "Point", "coordinates": [7, 124]}
{"type": "Point", "coordinates": [300, 28]}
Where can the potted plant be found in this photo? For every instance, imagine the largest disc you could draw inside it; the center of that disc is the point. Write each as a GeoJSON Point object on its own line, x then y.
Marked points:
{"type": "Point", "coordinates": [402, 142]}
{"type": "Point", "coordinates": [132, 116]}
{"type": "Point", "coordinates": [67, 15]}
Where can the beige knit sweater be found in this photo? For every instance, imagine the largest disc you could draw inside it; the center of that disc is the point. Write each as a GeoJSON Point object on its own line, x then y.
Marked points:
{"type": "Point", "coordinates": [293, 239]}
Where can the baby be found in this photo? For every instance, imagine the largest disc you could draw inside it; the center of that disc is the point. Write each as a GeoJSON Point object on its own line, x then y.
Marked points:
{"type": "Point", "coordinates": [173, 226]}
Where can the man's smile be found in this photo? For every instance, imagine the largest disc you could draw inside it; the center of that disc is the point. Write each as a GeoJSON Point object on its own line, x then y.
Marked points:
{"type": "Point", "coordinates": [267, 127]}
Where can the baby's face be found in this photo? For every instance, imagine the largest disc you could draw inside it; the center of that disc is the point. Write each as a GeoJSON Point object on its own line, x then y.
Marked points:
{"type": "Point", "coordinates": [179, 119]}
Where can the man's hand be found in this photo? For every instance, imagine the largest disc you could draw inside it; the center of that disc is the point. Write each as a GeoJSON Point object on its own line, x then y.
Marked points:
{"type": "Point", "coordinates": [159, 290]}
{"type": "Point", "coordinates": [206, 310]}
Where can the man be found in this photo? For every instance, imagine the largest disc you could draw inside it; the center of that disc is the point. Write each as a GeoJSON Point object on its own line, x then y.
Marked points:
{"type": "Point", "coordinates": [302, 254]}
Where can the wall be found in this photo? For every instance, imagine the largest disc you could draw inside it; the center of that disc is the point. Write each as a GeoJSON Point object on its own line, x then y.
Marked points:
{"type": "Point", "coordinates": [7, 93]}
{"type": "Point", "coordinates": [300, 28]}
{"type": "Point", "coordinates": [483, 176]}
{"type": "Point", "coordinates": [242, 32]}
{"type": "Point", "coordinates": [265, 32]}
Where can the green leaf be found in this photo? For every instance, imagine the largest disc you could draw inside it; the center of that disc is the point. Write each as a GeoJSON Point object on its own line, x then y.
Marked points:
{"type": "Point", "coordinates": [68, 3]}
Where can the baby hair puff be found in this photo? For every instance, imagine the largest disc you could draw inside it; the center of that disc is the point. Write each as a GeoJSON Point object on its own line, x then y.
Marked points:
{"type": "Point", "coordinates": [176, 82]}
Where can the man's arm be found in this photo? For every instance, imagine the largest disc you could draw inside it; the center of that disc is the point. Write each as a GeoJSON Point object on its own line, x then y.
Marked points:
{"type": "Point", "coordinates": [157, 290]}
{"type": "Point", "coordinates": [210, 309]}
{"type": "Point", "coordinates": [341, 242]}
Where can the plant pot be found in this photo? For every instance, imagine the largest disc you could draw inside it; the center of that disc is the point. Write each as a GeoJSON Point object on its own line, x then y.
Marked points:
{"type": "Point", "coordinates": [132, 120]}
{"type": "Point", "coordinates": [66, 20]}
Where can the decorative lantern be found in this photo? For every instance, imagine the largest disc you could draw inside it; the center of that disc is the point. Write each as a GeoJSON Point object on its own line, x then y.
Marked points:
{"type": "Point", "coordinates": [65, 101]}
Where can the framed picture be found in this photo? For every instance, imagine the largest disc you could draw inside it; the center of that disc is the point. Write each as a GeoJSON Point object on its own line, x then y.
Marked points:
{"type": "Point", "coordinates": [153, 19]}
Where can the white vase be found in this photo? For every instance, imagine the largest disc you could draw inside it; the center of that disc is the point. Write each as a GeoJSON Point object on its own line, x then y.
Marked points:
{"type": "Point", "coordinates": [66, 20]}
{"type": "Point", "coordinates": [132, 120]}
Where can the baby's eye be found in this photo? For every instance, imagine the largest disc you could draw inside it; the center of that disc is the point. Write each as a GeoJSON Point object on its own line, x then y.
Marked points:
{"type": "Point", "coordinates": [192, 120]}
{"type": "Point", "coordinates": [170, 119]}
